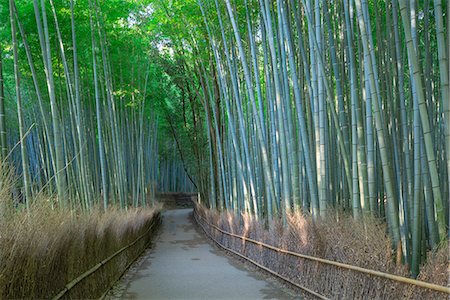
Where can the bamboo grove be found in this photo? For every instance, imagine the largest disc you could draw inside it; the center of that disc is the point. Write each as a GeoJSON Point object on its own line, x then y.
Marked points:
{"type": "Point", "coordinates": [86, 132]}
{"type": "Point", "coordinates": [321, 107]}
{"type": "Point", "coordinates": [269, 107]}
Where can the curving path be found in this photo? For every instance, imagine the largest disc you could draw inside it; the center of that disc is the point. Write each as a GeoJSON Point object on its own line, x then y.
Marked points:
{"type": "Point", "coordinates": [183, 265]}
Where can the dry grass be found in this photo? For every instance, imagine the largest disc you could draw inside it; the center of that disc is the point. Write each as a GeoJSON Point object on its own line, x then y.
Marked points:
{"type": "Point", "coordinates": [364, 244]}
{"type": "Point", "coordinates": [44, 249]}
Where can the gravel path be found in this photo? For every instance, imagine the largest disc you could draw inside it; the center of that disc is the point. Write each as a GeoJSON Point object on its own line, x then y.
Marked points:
{"type": "Point", "coordinates": [183, 265]}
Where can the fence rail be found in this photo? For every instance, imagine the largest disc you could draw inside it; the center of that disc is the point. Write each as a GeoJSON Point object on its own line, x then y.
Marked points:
{"type": "Point", "coordinates": [410, 281]}
{"type": "Point", "coordinates": [74, 282]}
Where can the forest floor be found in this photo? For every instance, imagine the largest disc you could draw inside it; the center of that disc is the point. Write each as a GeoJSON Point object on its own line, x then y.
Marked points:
{"type": "Point", "coordinates": [183, 265]}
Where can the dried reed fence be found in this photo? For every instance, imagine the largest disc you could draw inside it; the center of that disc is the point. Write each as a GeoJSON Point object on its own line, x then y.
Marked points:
{"type": "Point", "coordinates": [361, 244]}
{"type": "Point", "coordinates": [43, 250]}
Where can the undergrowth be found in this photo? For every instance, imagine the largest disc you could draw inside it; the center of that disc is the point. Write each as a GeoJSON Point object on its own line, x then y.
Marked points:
{"type": "Point", "coordinates": [43, 249]}
{"type": "Point", "coordinates": [363, 244]}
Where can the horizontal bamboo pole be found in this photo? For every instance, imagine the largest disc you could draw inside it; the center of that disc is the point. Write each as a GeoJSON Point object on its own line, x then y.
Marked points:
{"type": "Point", "coordinates": [92, 270]}
{"type": "Point", "coordinates": [196, 216]}
{"type": "Point", "coordinates": [397, 278]}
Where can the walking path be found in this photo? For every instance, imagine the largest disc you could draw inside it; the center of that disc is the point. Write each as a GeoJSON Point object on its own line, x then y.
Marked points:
{"type": "Point", "coordinates": [183, 265]}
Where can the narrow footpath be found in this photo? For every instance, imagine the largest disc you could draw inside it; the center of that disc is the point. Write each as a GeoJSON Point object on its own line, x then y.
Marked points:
{"type": "Point", "coordinates": [183, 265]}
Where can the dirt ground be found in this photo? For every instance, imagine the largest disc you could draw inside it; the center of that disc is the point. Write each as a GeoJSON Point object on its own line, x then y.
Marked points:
{"type": "Point", "coordinates": [176, 200]}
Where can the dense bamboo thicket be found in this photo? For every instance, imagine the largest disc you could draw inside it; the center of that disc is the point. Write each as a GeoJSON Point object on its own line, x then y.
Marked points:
{"type": "Point", "coordinates": [313, 107]}
{"type": "Point", "coordinates": [273, 108]}
{"type": "Point", "coordinates": [173, 177]}
{"type": "Point", "coordinates": [79, 144]}
{"type": "Point", "coordinates": [84, 124]}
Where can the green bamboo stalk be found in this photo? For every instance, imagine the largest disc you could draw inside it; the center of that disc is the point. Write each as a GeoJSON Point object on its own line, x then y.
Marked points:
{"type": "Point", "coordinates": [429, 147]}
{"type": "Point", "coordinates": [104, 190]}
{"type": "Point", "coordinates": [444, 70]}
{"type": "Point", "coordinates": [393, 219]}
{"type": "Point", "coordinates": [3, 145]}
{"type": "Point", "coordinates": [23, 150]}
{"type": "Point", "coordinates": [60, 171]}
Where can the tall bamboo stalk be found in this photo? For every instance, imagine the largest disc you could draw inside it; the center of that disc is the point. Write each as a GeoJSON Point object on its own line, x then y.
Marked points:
{"type": "Point", "coordinates": [3, 145]}
{"type": "Point", "coordinates": [23, 148]}
{"type": "Point", "coordinates": [429, 147]}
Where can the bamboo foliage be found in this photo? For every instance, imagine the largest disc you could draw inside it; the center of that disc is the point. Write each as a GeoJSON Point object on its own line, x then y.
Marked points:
{"type": "Point", "coordinates": [78, 142]}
